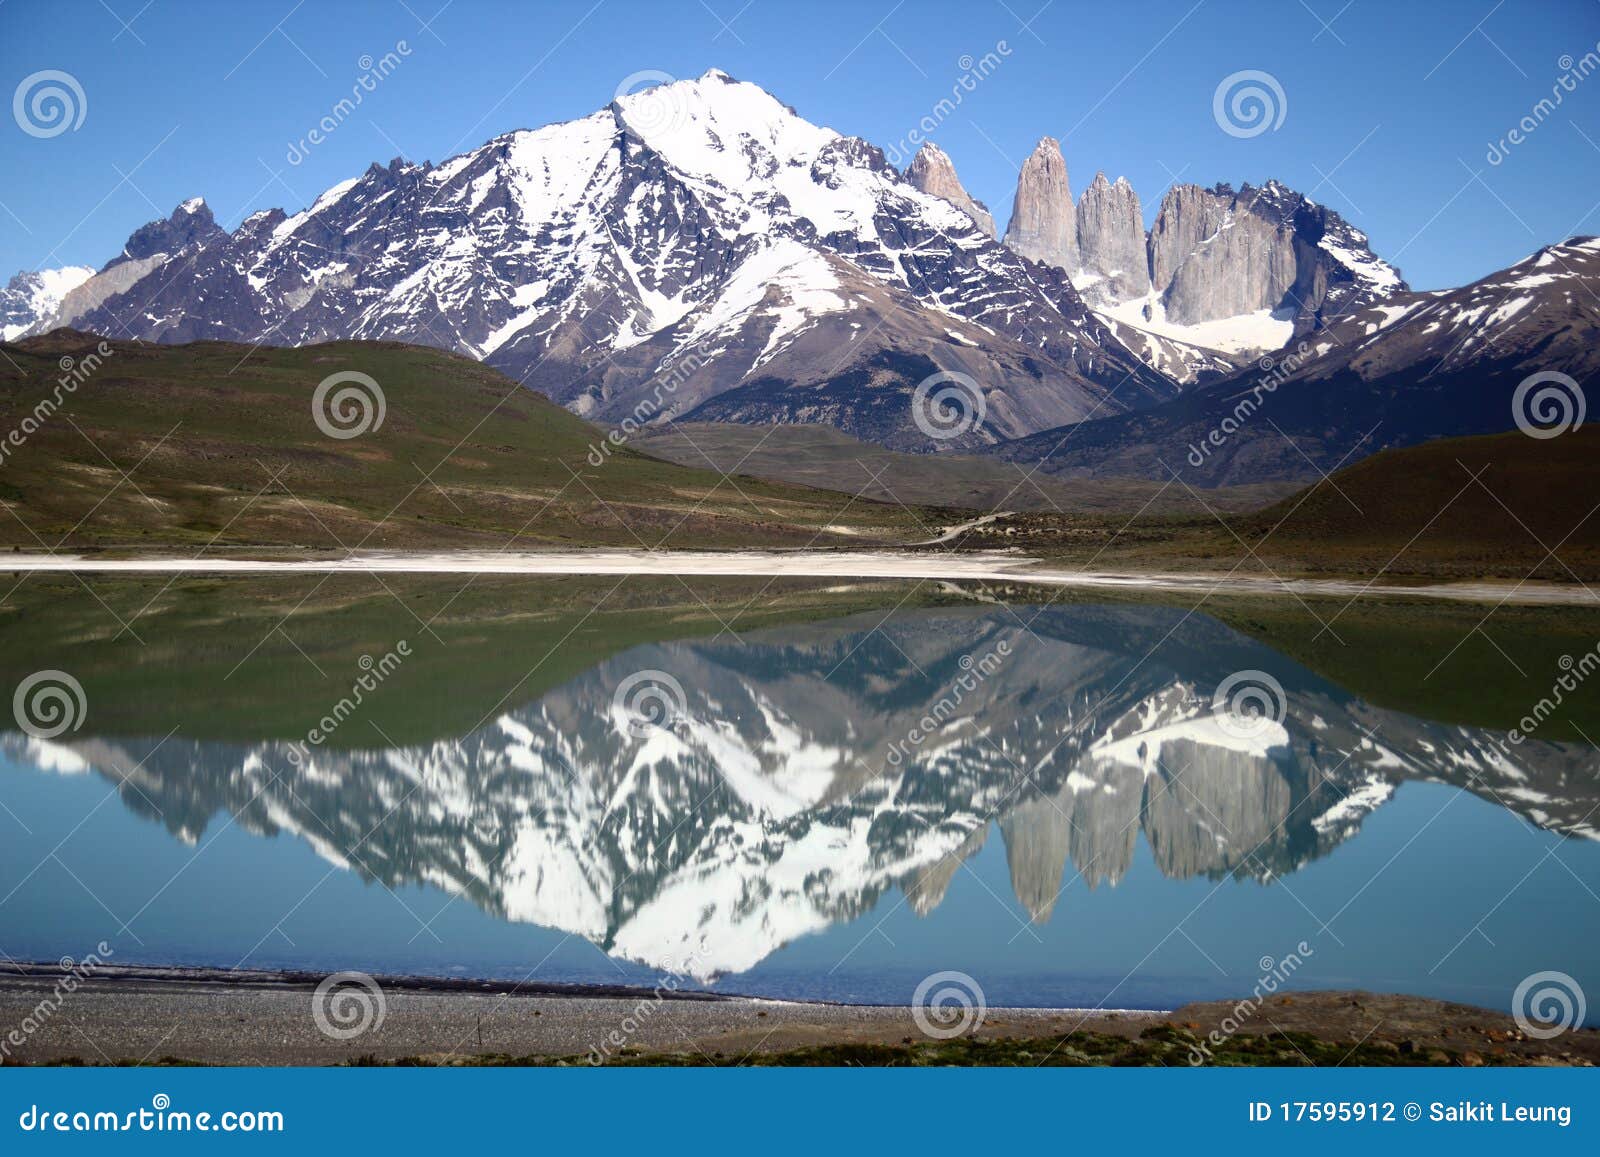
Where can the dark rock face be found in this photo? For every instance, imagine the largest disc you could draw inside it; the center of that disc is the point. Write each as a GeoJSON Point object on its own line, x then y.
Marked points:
{"type": "Point", "coordinates": [191, 226]}
{"type": "Point", "coordinates": [636, 263]}
{"type": "Point", "coordinates": [1413, 367]}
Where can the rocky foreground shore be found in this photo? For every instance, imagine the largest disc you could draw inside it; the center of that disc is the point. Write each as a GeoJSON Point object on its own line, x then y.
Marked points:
{"type": "Point", "coordinates": [165, 1017]}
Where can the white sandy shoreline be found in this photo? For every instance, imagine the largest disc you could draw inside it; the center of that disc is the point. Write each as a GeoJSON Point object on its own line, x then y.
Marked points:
{"type": "Point", "coordinates": [993, 567]}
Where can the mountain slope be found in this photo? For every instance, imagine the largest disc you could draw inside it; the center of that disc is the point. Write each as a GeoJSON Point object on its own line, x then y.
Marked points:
{"type": "Point", "coordinates": [1221, 274]}
{"type": "Point", "coordinates": [29, 298]}
{"type": "Point", "coordinates": [687, 240]}
{"type": "Point", "coordinates": [224, 445]}
{"type": "Point", "coordinates": [823, 456]}
{"type": "Point", "coordinates": [1416, 367]}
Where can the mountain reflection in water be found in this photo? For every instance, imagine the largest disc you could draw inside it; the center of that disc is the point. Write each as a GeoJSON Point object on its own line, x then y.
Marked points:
{"type": "Point", "coordinates": [800, 774]}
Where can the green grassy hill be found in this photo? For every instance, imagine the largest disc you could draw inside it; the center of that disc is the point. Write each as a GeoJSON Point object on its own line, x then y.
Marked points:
{"type": "Point", "coordinates": [1463, 507]}
{"type": "Point", "coordinates": [1455, 509]}
{"type": "Point", "coordinates": [215, 443]}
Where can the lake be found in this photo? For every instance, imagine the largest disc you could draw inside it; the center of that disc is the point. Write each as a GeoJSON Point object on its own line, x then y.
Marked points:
{"type": "Point", "coordinates": [801, 791]}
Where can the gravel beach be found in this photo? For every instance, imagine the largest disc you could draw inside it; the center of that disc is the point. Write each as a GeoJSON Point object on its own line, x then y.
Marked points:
{"type": "Point", "coordinates": [156, 1015]}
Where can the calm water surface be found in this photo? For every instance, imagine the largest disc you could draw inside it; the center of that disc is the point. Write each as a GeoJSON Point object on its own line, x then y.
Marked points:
{"type": "Point", "coordinates": [1052, 801]}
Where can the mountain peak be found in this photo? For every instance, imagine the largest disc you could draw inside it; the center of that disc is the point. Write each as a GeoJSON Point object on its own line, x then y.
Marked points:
{"type": "Point", "coordinates": [932, 171]}
{"type": "Point", "coordinates": [1042, 226]}
{"type": "Point", "coordinates": [1114, 266]}
{"type": "Point", "coordinates": [731, 130]}
{"type": "Point", "coordinates": [694, 215]}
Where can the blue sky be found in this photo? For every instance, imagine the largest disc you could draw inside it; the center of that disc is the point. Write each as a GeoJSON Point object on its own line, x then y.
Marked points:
{"type": "Point", "coordinates": [1389, 106]}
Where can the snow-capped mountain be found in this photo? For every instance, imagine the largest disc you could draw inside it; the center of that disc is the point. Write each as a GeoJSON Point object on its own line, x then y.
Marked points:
{"type": "Point", "coordinates": [1398, 372]}
{"type": "Point", "coordinates": [782, 794]}
{"type": "Point", "coordinates": [1219, 277]}
{"type": "Point", "coordinates": [697, 244]}
{"type": "Point", "coordinates": [30, 298]}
